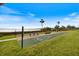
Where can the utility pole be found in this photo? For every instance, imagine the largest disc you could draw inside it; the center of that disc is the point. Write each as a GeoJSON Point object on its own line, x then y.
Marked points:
{"type": "Point", "coordinates": [22, 36]}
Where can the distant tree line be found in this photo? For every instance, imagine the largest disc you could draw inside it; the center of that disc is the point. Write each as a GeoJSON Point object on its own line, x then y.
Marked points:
{"type": "Point", "coordinates": [64, 28]}
{"type": "Point", "coordinates": [58, 28]}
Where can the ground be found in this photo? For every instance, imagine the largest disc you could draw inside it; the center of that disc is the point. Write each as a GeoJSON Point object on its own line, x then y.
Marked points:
{"type": "Point", "coordinates": [62, 45]}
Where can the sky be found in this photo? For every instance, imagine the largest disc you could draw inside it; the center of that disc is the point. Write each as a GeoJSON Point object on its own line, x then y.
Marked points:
{"type": "Point", "coordinates": [29, 14]}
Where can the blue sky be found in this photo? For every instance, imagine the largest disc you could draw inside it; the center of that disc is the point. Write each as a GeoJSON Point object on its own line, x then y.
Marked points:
{"type": "Point", "coordinates": [29, 14]}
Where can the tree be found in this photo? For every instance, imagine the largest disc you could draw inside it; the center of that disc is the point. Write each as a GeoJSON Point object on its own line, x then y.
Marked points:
{"type": "Point", "coordinates": [69, 27]}
{"type": "Point", "coordinates": [56, 28]}
{"type": "Point", "coordinates": [73, 27]}
{"type": "Point", "coordinates": [47, 30]}
{"type": "Point", "coordinates": [62, 28]}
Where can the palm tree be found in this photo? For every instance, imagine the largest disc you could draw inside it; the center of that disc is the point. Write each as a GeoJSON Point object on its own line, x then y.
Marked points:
{"type": "Point", "coordinates": [56, 28]}
{"type": "Point", "coordinates": [42, 21]}
{"type": "Point", "coordinates": [58, 22]}
{"type": "Point", "coordinates": [58, 25]}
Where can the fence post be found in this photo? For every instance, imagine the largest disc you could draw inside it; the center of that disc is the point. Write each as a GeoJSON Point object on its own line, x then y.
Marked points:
{"type": "Point", "coordinates": [22, 36]}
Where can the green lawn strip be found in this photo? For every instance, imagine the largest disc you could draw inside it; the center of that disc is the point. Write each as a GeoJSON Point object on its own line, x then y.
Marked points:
{"type": "Point", "coordinates": [7, 37]}
{"type": "Point", "coordinates": [62, 45]}
{"type": "Point", "coordinates": [9, 48]}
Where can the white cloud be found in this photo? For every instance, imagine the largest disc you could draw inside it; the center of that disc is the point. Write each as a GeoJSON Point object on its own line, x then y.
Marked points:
{"type": "Point", "coordinates": [73, 14]}
{"type": "Point", "coordinates": [5, 14]}
{"type": "Point", "coordinates": [66, 18]}
{"type": "Point", "coordinates": [76, 20]}
{"type": "Point", "coordinates": [8, 18]}
{"type": "Point", "coordinates": [6, 10]}
{"type": "Point", "coordinates": [72, 17]}
{"type": "Point", "coordinates": [77, 17]}
{"type": "Point", "coordinates": [18, 21]}
{"type": "Point", "coordinates": [31, 14]}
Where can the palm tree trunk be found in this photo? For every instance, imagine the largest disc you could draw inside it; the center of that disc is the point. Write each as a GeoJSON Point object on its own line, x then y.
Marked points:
{"type": "Point", "coordinates": [42, 25]}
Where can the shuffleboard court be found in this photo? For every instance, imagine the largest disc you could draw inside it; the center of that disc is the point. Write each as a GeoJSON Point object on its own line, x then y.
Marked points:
{"type": "Point", "coordinates": [31, 40]}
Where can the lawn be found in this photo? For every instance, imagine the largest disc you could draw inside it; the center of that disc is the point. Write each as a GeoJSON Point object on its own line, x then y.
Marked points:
{"type": "Point", "coordinates": [7, 37]}
{"type": "Point", "coordinates": [62, 45]}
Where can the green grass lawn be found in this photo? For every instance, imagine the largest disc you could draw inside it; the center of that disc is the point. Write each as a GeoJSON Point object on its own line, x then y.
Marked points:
{"type": "Point", "coordinates": [62, 45]}
{"type": "Point", "coordinates": [7, 37]}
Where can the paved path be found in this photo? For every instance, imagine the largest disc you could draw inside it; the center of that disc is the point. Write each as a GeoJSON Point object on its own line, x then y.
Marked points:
{"type": "Point", "coordinates": [7, 40]}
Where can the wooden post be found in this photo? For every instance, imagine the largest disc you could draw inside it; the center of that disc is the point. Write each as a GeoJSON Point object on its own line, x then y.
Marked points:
{"type": "Point", "coordinates": [22, 36]}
